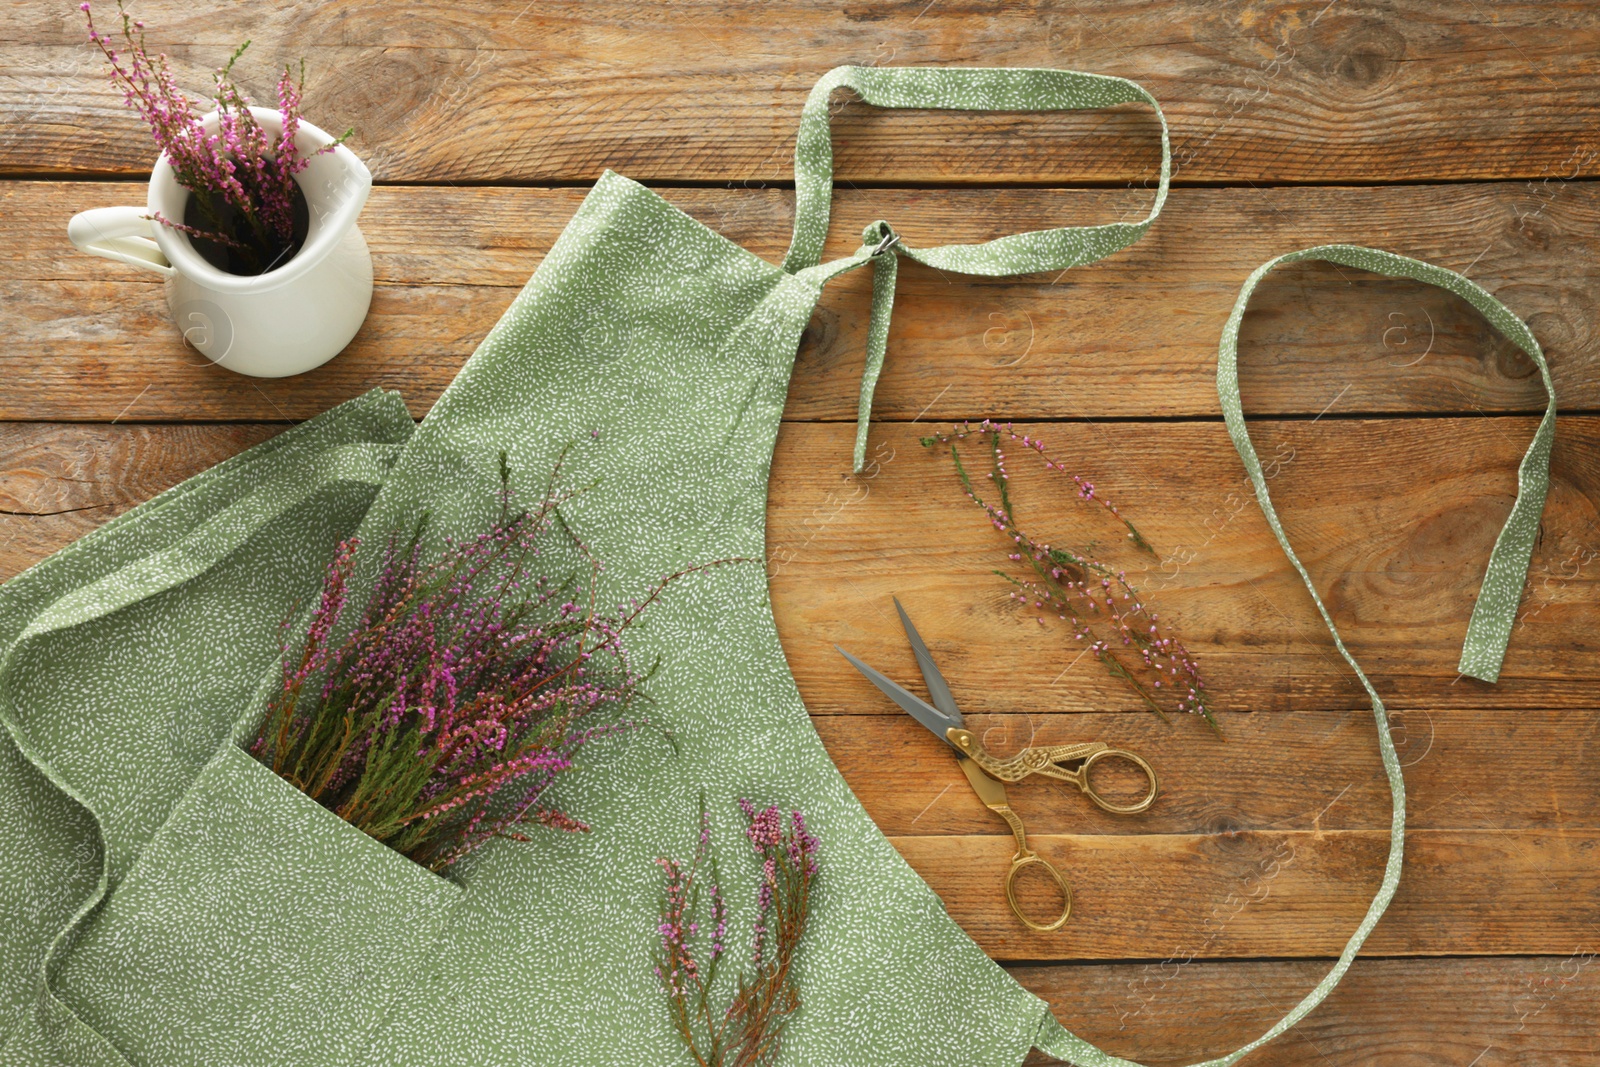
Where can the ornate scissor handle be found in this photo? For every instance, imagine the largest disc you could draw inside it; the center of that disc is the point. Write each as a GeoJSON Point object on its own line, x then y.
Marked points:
{"type": "Point", "coordinates": [1026, 857]}
{"type": "Point", "coordinates": [1047, 760]}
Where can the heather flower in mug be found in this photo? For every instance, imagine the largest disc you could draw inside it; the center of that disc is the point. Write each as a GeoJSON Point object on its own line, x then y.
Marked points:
{"type": "Point", "coordinates": [246, 213]}
{"type": "Point", "coordinates": [748, 1032]}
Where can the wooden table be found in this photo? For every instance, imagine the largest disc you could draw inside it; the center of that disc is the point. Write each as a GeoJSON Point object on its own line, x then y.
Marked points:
{"type": "Point", "coordinates": [1458, 132]}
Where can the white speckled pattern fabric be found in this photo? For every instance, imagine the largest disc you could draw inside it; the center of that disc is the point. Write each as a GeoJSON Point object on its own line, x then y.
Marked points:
{"type": "Point", "coordinates": [176, 904]}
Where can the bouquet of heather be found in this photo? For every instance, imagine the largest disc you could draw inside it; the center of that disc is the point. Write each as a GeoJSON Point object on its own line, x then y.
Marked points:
{"type": "Point", "coordinates": [247, 214]}
{"type": "Point", "coordinates": [749, 1031]}
{"type": "Point", "coordinates": [465, 689]}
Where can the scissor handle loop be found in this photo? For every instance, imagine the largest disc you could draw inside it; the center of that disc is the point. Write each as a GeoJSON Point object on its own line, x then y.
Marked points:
{"type": "Point", "coordinates": [1087, 785]}
{"type": "Point", "coordinates": [1028, 858]}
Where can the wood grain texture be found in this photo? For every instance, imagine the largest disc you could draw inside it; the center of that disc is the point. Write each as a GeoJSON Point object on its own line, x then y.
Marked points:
{"type": "Point", "coordinates": [1508, 1012]}
{"type": "Point", "coordinates": [1308, 771]}
{"type": "Point", "coordinates": [1285, 894]}
{"type": "Point", "coordinates": [1133, 336]}
{"type": "Point", "coordinates": [58, 482]}
{"type": "Point", "coordinates": [1393, 517]}
{"type": "Point", "coordinates": [710, 90]}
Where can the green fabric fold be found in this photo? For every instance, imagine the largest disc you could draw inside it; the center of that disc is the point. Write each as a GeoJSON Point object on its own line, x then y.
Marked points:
{"type": "Point", "coordinates": [146, 584]}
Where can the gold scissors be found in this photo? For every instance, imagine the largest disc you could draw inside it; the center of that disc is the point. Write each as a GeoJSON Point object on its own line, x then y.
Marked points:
{"type": "Point", "coordinates": [988, 774]}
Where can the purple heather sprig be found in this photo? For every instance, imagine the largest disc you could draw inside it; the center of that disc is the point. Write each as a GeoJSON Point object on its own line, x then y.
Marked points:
{"type": "Point", "coordinates": [748, 1032]}
{"type": "Point", "coordinates": [465, 689]}
{"type": "Point", "coordinates": [1075, 587]}
{"type": "Point", "coordinates": [240, 164]}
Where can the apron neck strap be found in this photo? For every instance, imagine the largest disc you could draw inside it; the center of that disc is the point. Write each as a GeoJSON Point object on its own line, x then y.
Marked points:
{"type": "Point", "coordinates": [960, 89]}
{"type": "Point", "coordinates": [1487, 633]}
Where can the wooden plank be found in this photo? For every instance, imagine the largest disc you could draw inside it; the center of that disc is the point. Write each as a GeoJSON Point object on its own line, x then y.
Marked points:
{"type": "Point", "coordinates": [1314, 769]}
{"type": "Point", "coordinates": [52, 469]}
{"type": "Point", "coordinates": [1527, 1011]}
{"type": "Point", "coordinates": [1306, 772]}
{"type": "Point", "coordinates": [1260, 893]}
{"type": "Point", "coordinates": [711, 90]}
{"type": "Point", "coordinates": [1133, 336]}
{"type": "Point", "coordinates": [57, 483]}
{"type": "Point", "coordinates": [1394, 517]}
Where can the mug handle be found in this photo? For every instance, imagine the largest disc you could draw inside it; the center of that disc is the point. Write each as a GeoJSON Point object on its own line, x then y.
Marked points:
{"type": "Point", "coordinates": [120, 233]}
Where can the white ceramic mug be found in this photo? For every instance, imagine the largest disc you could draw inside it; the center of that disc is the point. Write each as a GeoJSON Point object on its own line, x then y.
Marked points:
{"type": "Point", "coordinates": [286, 321]}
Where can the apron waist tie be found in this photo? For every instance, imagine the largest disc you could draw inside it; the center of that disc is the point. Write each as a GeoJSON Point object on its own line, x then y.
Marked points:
{"type": "Point", "coordinates": [881, 247]}
{"type": "Point", "coordinates": [881, 244]}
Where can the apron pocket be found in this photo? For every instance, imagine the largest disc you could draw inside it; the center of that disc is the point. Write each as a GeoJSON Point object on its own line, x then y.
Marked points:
{"type": "Point", "coordinates": [256, 927]}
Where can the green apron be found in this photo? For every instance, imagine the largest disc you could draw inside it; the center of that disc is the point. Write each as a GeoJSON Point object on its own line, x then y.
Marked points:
{"type": "Point", "coordinates": [169, 901]}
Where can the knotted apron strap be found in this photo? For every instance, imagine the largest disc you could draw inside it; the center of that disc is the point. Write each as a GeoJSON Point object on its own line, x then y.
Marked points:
{"type": "Point", "coordinates": [1492, 617]}
{"type": "Point", "coordinates": [958, 89]}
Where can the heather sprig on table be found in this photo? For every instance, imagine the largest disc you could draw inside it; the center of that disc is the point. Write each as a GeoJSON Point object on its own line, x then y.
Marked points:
{"type": "Point", "coordinates": [467, 686]}
{"type": "Point", "coordinates": [241, 164]}
{"type": "Point", "coordinates": [748, 1032]}
{"type": "Point", "coordinates": [1098, 601]}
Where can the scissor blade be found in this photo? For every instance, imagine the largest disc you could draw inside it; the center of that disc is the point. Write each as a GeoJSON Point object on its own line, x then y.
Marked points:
{"type": "Point", "coordinates": [938, 689]}
{"type": "Point", "coordinates": [991, 791]}
{"type": "Point", "coordinates": [928, 715]}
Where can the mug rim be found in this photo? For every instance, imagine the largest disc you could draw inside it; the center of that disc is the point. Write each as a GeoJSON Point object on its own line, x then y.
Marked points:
{"type": "Point", "coordinates": [325, 231]}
